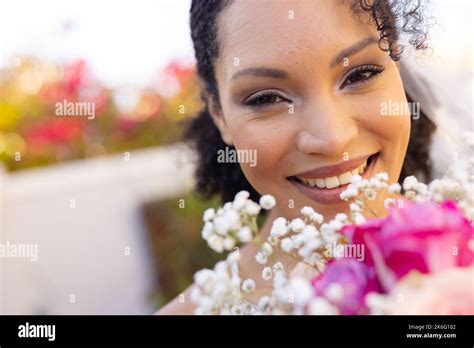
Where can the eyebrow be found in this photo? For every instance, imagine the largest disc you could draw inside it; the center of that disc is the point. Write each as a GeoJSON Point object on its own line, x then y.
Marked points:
{"type": "Point", "coordinates": [282, 74]}
{"type": "Point", "coordinates": [357, 47]}
{"type": "Point", "coordinates": [262, 72]}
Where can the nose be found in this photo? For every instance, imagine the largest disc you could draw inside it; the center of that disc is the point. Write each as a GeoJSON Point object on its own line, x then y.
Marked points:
{"type": "Point", "coordinates": [326, 128]}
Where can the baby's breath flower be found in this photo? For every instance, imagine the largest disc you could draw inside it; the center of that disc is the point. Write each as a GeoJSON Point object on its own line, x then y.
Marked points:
{"type": "Point", "coordinates": [370, 193]}
{"type": "Point", "coordinates": [266, 249]}
{"type": "Point", "coordinates": [279, 221]}
{"type": "Point", "coordinates": [355, 208]}
{"type": "Point", "coordinates": [278, 267]}
{"type": "Point", "coordinates": [287, 245]}
{"type": "Point", "coordinates": [221, 225]}
{"type": "Point", "coordinates": [216, 243]}
{"type": "Point", "coordinates": [278, 230]}
{"type": "Point", "coordinates": [358, 218]}
{"type": "Point", "coordinates": [261, 258]}
{"type": "Point", "coordinates": [278, 227]}
{"type": "Point", "coordinates": [233, 219]}
{"type": "Point", "coordinates": [395, 188]}
{"type": "Point", "coordinates": [297, 240]}
{"type": "Point", "coordinates": [382, 176]}
{"type": "Point", "coordinates": [203, 276]}
{"type": "Point", "coordinates": [248, 285]}
{"type": "Point", "coordinates": [316, 217]}
{"type": "Point", "coordinates": [237, 205]}
{"type": "Point", "coordinates": [245, 234]}
{"type": "Point", "coordinates": [274, 241]}
{"type": "Point", "coordinates": [336, 224]}
{"type": "Point", "coordinates": [307, 211]}
{"type": "Point", "coordinates": [228, 243]}
{"type": "Point", "coordinates": [410, 194]}
{"type": "Point", "coordinates": [327, 229]}
{"type": "Point", "coordinates": [242, 195]}
{"type": "Point", "coordinates": [300, 290]}
{"type": "Point", "coordinates": [267, 202]}
{"type": "Point", "coordinates": [309, 232]}
{"type": "Point", "coordinates": [207, 230]}
{"type": "Point", "coordinates": [279, 280]}
{"type": "Point", "coordinates": [356, 179]}
{"type": "Point", "coordinates": [304, 251]}
{"type": "Point", "coordinates": [267, 273]}
{"type": "Point", "coordinates": [388, 202]}
{"type": "Point", "coordinates": [297, 225]}
{"type": "Point", "coordinates": [208, 214]}
{"type": "Point", "coordinates": [350, 192]}
{"type": "Point", "coordinates": [341, 217]}
{"type": "Point", "coordinates": [410, 183]}
{"type": "Point", "coordinates": [374, 183]}
{"type": "Point", "coordinates": [233, 257]}
{"type": "Point", "coordinates": [252, 208]}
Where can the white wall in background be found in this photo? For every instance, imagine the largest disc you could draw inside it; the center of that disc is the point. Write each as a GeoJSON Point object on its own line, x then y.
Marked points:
{"type": "Point", "coordinates": [81, 250]}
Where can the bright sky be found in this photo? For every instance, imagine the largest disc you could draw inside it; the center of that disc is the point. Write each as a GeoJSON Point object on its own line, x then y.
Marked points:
{"type": "Point", "coordinates": [127, 41]}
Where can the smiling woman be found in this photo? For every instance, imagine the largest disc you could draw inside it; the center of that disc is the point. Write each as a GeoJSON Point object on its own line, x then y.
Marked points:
{"type": "Point", "coordinates": [302, 84]}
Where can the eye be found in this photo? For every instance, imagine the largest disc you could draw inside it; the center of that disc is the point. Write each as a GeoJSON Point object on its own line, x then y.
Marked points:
{"type": "Point", "coordinates": [361, 74]}
{"type": "Point", "coordinates": [263, 99]}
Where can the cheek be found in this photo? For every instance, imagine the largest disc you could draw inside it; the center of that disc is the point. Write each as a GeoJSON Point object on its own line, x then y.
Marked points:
{"type": "Point", "coordinates": [270, 141]}
{"type": "Point", "coordinates": [385, 117]}
{"type": "Point", "coordinates": [385, 113]}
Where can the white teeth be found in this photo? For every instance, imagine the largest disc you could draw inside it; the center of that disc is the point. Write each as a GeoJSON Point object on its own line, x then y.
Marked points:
{"type": "Point", "coordinates": [345, 178]}
{"type": "Point", "coordinates": [321, 183]}
{"type": "Point", "coordinates": [312, 182]}
{"type": "Point", "coordinates": [332, 182]}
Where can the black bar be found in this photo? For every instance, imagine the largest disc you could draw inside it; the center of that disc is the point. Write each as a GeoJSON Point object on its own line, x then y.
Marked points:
{"type": "Point", "coordinates": [140, 330]}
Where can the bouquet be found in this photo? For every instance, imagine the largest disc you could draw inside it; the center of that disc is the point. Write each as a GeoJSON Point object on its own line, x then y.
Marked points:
{"type": "Point", "coordinates": [418, 259]}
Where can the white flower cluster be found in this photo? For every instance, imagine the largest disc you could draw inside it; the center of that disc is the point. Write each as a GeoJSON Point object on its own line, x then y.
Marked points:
{"type": "Point", "coordinates": [456, 185]}
{"type": "Point", "coordinates": [293, 295]}
{"type": "Point", "coordinates": [361, 189]}
{"type": "Point", "coordinates": [219, 291]}
{"type": "Point", "coordinates": [234, 223]}
{"type": "Point", "coordinates": [301, 238]}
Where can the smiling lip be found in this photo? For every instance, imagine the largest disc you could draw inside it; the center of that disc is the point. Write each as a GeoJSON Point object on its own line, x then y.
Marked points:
{"type": "Point", "coordinates": [333, 170]}
{"type": "Point", "coordinates": [331, 196]}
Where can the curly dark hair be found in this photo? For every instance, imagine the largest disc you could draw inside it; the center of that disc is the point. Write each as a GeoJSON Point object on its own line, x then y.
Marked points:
{"type": "Point", "coordinates": [391, 17]}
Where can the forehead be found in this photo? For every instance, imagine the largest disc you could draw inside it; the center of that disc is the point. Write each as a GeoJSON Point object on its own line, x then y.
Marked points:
{"type": "Point", "coordinates": [272, 31]}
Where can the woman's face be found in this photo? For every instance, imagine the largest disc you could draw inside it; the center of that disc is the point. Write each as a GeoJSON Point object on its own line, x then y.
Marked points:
{"type": "Point", "coordinates": [302, 84]}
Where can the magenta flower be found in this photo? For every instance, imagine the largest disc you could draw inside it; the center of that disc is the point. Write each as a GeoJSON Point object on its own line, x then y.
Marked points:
{"type": "Point", "coordinates": [426, 237]}
{"type": "Point", "coordinates": [356, 280]}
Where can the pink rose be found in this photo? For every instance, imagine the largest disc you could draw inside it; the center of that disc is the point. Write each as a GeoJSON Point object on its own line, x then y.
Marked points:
{"type": "Point", "coordinates": [449, 292]}
{"type": "Point", "coordinates": [426, 237]}
{"type": "Point", "coordinates": [356, 280]}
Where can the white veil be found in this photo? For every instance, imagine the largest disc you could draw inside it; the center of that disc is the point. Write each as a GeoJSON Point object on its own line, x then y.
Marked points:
{"type": "Point", "coordinates": [446, 98]}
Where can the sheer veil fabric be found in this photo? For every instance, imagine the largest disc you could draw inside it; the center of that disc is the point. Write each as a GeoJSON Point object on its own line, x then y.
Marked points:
{"type": "Point", "coordinates": [445, 96]}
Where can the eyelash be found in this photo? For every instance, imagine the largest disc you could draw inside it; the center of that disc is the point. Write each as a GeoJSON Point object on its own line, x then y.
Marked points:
{"type": "Point", "coordinates": [257, 100]}
{"type": "Point", "coordinates": [374, 70]}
